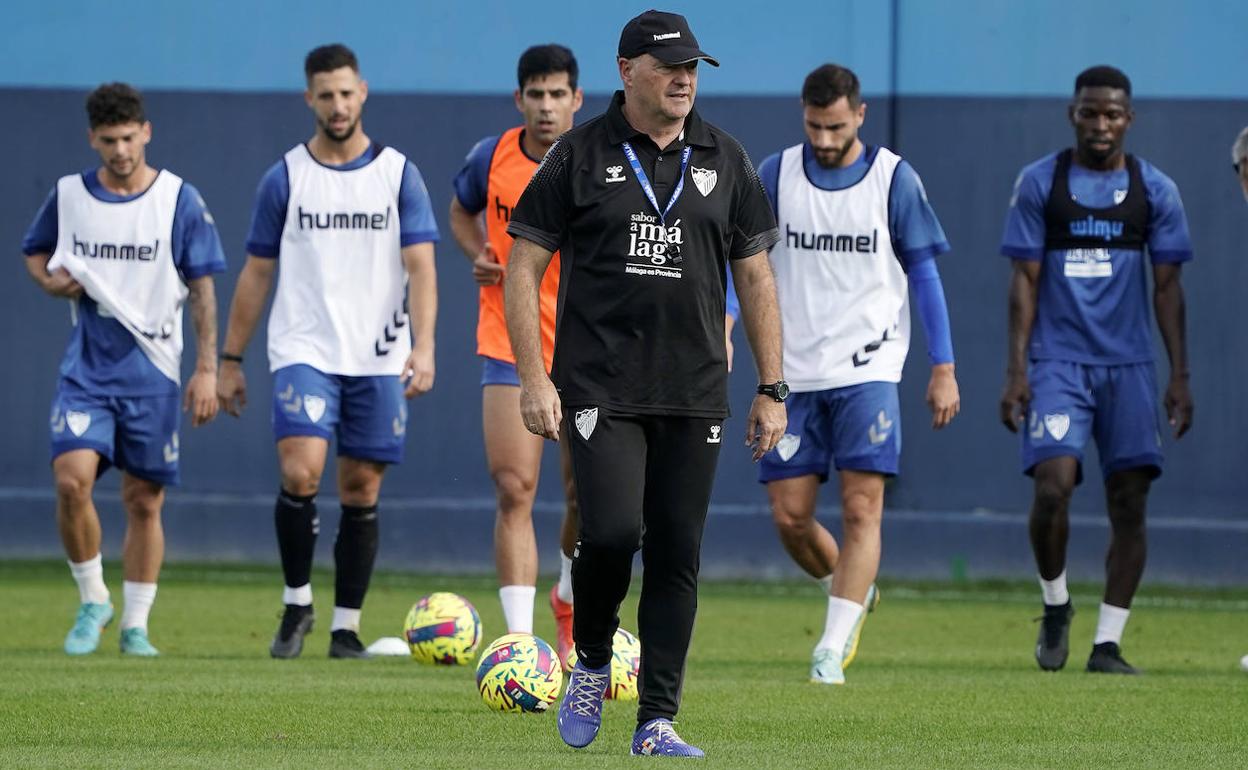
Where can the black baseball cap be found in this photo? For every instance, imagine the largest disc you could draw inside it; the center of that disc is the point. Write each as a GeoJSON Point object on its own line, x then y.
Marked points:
{"type": "Point", "coordinates": [665, 36]}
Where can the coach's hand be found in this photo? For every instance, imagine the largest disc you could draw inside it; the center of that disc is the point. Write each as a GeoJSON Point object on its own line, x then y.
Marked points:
{"type": "Point", "coordinates": [1014, 401]}
{"type": "Point", "coordinates": [1179, 405]}
{"type": "Point", "coordinates": [942, 395]}
{"type": "Point", "coordinates": [418, 372]}
{"type": "Point", "coordinates": [200, 398]}
{"type": "Point", "coordinates": [59, 283]}
{"type": "Point", "coordinates": [231, 388]}
{"type": "Point", "coordinates": [485, 267]}
{"type": "Point", "coordinates": [541, 409]}
{"type": "Point", "coordinates": [765, 425]}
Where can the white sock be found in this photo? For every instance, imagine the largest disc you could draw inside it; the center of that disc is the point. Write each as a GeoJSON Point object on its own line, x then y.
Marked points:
{"type": "Point", "coordinates": [1110, 624]}
{"type": "Point", "coordinates": [1054, 590]}
{"type": "Point", "coordinates": [139, 598]}
{"type": "Point", "coordinates": [301, 595]}
{"type": "Point", "coordinates": [345, 618]}
{"type": "Point", "coordinates": [826, 582]}
{"type": "Point", "coordinates": [518, 608]}
{"type": "Point", "coordinates": [565, 578]}
{"type": "Point", "coordinates": [89, 575]}
{"type": "Point", "coordinates": [842, 615]}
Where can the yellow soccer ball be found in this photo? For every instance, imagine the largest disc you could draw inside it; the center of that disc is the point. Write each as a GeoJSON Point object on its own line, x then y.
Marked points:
{"type": "Point", "coordinates": [519, 672]}
{"type": "Point", "coordinates": [443, 628]}
{"type": "Point", "coordinates": [625, 664]}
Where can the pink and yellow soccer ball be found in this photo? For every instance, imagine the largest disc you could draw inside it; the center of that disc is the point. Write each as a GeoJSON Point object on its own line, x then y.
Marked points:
{"type": "Point", "coordinates": [443, 628]}
{"type": "Point", "coordinates": [519, 673]}
{"type": "Point", "coordinates": [625, 664]}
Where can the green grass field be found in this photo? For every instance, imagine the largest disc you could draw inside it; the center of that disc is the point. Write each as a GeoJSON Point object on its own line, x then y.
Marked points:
{"type": "Point", "coordinates": [944, 678]}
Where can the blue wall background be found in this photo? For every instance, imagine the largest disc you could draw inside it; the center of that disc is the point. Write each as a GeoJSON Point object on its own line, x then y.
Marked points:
{"type": "Point", "coordinates": [968, 91]}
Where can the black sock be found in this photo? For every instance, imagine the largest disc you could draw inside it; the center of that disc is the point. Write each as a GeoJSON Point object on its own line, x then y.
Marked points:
{"type": "Point", "coordinates": [297, 527]}
{"type": "Point", "coordinates": [355, 551]}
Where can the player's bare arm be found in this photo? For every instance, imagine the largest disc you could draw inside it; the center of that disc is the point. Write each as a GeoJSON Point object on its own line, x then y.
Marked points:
{"type": "Point", "coordinates": [469, 231]}
{"type": "Point", "coordinates": [943, 397]}
{"type": "Point", "coordinates": [422, 303]}
{"type": "Point", "coordinates": [1024, 283]}
{"type": "Point", "coordinates": [200, 398]}
{"type": "Point", "coordinates": [58, 283]}
{"type": "Point", "coordinates": [1171, 310]}
{"type": "Point", "coordinates": [756, 290]}
{"type": "Point", "coordinates": [539, 401]}
{"type": "Point", "coordinates": [729, 323]}
{"type": "Point", "coordinates": [250, 295]}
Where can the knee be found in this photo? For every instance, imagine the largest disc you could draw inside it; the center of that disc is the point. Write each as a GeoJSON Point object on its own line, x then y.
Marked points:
{"type": "Point", "coordinates": [1126, 506]}
{"type": "Point", "coordinates": [861, 511]}
{"type": "Point", "coordinates": [794, 525]}
{"type": "Point", "coordinates": [73, 489]}
{"type": "Point", "coordinates": [1052, 496]}
{"type": "Point", "coordinates": [515, 492]}
{"type": "Point", "coordinates": [300, 479]}
{"type": "Point", "coordinates": [142, 502]}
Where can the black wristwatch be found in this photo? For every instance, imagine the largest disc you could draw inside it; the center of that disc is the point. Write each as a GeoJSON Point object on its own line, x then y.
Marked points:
{"type": "Point", "coordinates": [778, 390]}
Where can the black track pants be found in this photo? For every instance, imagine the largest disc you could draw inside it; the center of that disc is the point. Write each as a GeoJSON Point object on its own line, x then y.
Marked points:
{"type": "Point", "coordinates": [641, 480]}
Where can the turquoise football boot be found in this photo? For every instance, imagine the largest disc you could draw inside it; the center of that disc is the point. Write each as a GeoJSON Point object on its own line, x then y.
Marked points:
{"type": "Point", "coordinates": [134, 642]}
{"type": "Point", "coordinates": [851, 644]}
{"type": "Point", "coordinates": [84, 637]}
{"type": "Point", "coordinates": [826, 668]}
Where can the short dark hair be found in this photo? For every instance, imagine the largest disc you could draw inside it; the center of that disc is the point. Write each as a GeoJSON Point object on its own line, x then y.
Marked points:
{"type": "Point", "coordinates": [1103, 76]}
{"type": "Point", "coordinates": [547, 59]}
{"type": "Point", "coordinates": [828, 83]}
{"type": "Point", "coordinates": [115, 104]}
{"type": "Point", "coordinates": [328, 58]}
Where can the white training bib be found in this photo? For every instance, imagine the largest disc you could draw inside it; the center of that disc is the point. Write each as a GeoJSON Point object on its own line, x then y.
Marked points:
{"type": "Point", "coordinates": [122, 254]}
{"type": "Point", "coordinates": [341, 284]}
{"type": "Point", "coordinates": [844, 299]}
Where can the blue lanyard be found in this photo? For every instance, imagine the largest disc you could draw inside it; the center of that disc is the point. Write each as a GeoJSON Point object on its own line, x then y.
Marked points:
{"type": "Point", "coordinates": [648, 189]}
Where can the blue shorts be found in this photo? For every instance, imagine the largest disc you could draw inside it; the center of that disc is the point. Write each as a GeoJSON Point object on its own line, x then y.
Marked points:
{"type": "Point", "coordinates": [856, 427]}
{"type": "Point", "coordinates": [496, 372]}
{"type": "Point", "coordinates": [1115, 405]}
{"type": "Point", "coordinates": [368, 414]}
{"type": "Point", "coordinates": [138, 434]}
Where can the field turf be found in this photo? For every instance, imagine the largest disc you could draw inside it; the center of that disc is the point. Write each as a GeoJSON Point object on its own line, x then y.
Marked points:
{"type": "Point", "coordinates": [944, 678]}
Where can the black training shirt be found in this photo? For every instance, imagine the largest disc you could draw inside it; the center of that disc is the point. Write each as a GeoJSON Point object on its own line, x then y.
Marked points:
{"type": "Point", "coordinates": [637, 330]}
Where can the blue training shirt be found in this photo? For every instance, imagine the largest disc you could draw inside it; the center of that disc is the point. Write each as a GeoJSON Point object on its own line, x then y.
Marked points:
{"type": "Point", "coordinates": [268, 215]}
{"type": "Point", "coordinates": [912, 224]}
{"type": "Point", "coordinates": [1101, 319]}
{"type": "Point", "coordinates": [103, 357]}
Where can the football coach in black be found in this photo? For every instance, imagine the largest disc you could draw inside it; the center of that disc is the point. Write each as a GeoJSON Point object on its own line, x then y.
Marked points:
{"type": "Point", "coordinates": [648, 206]}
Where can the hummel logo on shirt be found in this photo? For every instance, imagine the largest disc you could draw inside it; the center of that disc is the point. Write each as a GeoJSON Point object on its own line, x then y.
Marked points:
{"type": "Point", "coordinates": [614, 174]}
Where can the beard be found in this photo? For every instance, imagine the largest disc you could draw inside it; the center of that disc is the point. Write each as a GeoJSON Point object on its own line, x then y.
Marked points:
{"type": "Point", "coordinates": [835, 155]}
{"type": "Point", "coordinates": [339, 136]}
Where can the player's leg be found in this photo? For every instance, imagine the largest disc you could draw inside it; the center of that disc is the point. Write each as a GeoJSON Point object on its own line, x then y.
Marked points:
{"type": "Point", "coordinates": [681, 454]}
{"type": "Point", "coordinates": [793, 473]}
{"type": "Point", "coordinates": [305, 407]}
{"type": "Point", "coordinates": [148, 452]}
{"type": "Point", "coordinates": [372, 431]}
{"type": "Point", "coordinates": [561, 593]}
{"type": "Point", "coordinates": [608, 462]}
{"type": "Point", "coordinates": [514, 457]}
{"type": "Point", "coordinates": [865, 431]}
{"type": "Point", "coordinates": [82, 430]}
{"type": "Point", "coordinates": [1127, 439]}
{"type": "Point", "coordinates": [1059, 424]}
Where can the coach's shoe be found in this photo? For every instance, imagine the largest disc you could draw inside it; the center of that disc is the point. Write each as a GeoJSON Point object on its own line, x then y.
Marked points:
{"type": "Point", "coordinates": [851, 644]}
{"type": "Point", "coordinates": [826, 667]}
{"type": "Point", "coordinates": [134, 642]}
{"type": "Point", "coordinates": [1053, 642]}
{"type": "Point", "coordinates": [345, 643]}
{"type": "Point", "coordinates": [563, 625]}
{"type": "Point", "coordinates": [658, 738]}
{"type": "Point", "coordinates": [580, 713]}
{"type": "Point", "coordinates": [296, 622]}
{"type": "Point", "coordinates": [84, 637]}
{"type": "Point", "coordinates": [1106, 658]}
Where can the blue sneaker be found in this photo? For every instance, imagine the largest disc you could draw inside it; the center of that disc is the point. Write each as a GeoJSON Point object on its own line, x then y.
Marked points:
{"type": "Point", "coordinates": [134, 642]}
{"type": "Point", "coordinates": [580, 714]}
{"type": "Point", "coordinates": [826, 667]}
{"type": "Point", "coordinates": [84, 637]}
{"type": "Point", "coordinates": [658, 738]}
